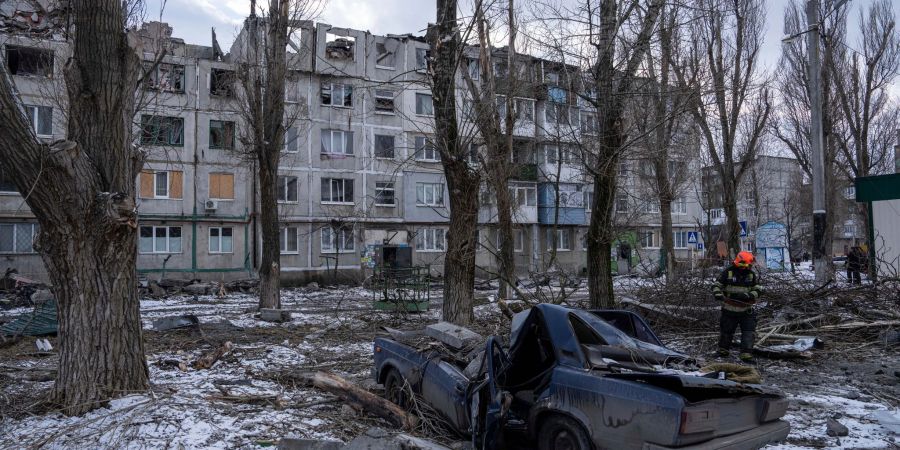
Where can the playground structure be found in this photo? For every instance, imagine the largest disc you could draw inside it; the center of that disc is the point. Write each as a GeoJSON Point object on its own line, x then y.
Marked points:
{"type": "Point", "coordinates": [396, 284]}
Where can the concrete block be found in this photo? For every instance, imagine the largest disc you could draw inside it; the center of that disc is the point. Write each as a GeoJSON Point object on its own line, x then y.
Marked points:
{"type": "Point", "coordinates": [454, 336]}
{"type": "Point", "coordinates": [274, 315]}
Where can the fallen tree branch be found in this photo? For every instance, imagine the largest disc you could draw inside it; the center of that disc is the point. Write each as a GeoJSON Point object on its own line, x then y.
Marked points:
{"type": "Point", "coordinates": [206, 361]}
{"type": "Point", "coordinates": [363, 400]}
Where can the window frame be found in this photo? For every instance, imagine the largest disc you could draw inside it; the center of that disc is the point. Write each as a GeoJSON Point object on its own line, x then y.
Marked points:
{"type": "Point", "coordinates": [35, 228]}
{"type": "Point", "coordinates": [332, 89]}
{"type": "Point", "coordinates": [427, 146]}
{"type": "Point", "coordinates": [381, 94]}
{"type": "Point", "coordinates": [283, 182]}
{"type": "Point", "coordinates": [423, 113]}
{"type": "Point", "coordinates": [222, 82]}
{"type": "Point", "coordinates": [219, 240]}
{"type": "Point", "coordinates": [339, 240]}
{"type": "Point", "coordinates": [34, 118]}
{"type": "Point", "coordinates": [384, 188]}
{"type": "Point", "coordinates": [224, 127]}
{"type": "Point", "coordinates": [346, 141]}
{"type": "Point", "coordinates": [157, 124]}
{"type": "Point", "coordinates": [154, 237]}
{"type": "Point", "coordinates": [530, 195]}
{"type": "Point", "coordinates": [393, 147]}
{"type": "Point", "coordinates": [331, 191]}
{"type": "Point", "coordinates": [283, 240]}
{"type": "Point", "coordinates": [423, 238]}
{"type": "Point", "coordinates": [436, 190]}
{"type": "Point", "coordinates": [153, 84]}
{"type": "Point", "coordinates": [41, 53]}
{"type": "Point", "coordinates": [518, 240]}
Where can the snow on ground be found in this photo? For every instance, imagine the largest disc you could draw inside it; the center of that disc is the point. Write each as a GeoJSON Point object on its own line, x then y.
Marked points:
{"type": "Point", "coordinates": [249, 400]}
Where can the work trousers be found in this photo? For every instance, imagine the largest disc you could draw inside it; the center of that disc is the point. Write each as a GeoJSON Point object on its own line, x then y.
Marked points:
{"type": "Point", "coordinates": [853, 276]}
{"type": "Point", "coordinates": [729, 322]}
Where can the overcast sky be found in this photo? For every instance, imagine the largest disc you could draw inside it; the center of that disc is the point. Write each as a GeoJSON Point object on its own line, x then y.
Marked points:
{"type": "Point", "coordinates": [192, 19]}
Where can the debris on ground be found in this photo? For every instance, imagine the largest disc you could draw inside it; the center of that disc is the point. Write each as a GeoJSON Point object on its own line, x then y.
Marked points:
{"type": "Point", "coordinates": [40, 321]}
{"type": "Point", "coordinates": [175, 322]}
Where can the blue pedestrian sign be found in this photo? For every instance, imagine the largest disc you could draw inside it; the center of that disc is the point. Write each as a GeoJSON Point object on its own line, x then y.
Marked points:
{"type": "Point", "coordinates": [743, 228]}
{"type": "Point", "coordinates": [699, 246]}
{"type": "Point", "coordinates": [692, 237]}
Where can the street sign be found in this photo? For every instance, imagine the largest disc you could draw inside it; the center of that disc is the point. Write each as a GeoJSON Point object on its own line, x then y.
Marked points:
{"type": "Point", "coordinates": [699, 246]}
{"type": "Point", "coordinates": [692, 237]}
{"type": "Point", "coordinates": [743, 228]}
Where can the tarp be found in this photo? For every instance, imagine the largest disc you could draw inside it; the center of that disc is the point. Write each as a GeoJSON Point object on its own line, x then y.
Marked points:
{"type": "Point", "coordinates": [39, 322]}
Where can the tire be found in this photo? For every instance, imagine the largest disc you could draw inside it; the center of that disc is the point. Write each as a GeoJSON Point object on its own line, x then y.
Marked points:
{"type": "Point", "coordinates": [562, 433]}
{"type": "Point", "coordinates": [393, 388]}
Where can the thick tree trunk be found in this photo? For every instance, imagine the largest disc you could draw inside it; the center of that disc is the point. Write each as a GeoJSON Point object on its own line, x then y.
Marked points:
{"type": "Point", "coordinates": [668, 244]}
{"type": "Point", "coordinates": [600, 287]}
{"type": "Point", "coordinates": [82, 192]}
{"type": "Point", "coordinates": [269, 266]}
{"type": "Point", "coordinates": [505, 229]}
{"type": "Point", "coordinates": [462, 183]}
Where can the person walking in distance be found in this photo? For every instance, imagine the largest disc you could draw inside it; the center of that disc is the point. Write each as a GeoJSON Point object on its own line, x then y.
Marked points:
{"type": "Point", "coordinates": [738, 290]}
{"type": "Point", "coordinates": [854, 264]}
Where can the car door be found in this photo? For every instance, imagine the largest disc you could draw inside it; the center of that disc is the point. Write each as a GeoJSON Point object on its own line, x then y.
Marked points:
{"type": "Point", "coordinates": [489, 403]}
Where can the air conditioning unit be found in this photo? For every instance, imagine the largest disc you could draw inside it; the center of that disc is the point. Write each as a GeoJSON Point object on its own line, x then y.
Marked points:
{"type": "Point", "coordinates": [211, 205]}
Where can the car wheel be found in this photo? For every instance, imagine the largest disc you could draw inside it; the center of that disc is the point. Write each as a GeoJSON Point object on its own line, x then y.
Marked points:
{"type": "Point", "coordinates": [562, 433]}
{"type": "Point", "coordinates": [393, 388]}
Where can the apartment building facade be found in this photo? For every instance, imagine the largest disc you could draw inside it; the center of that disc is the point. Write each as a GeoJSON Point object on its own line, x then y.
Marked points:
{"type": "Point", "coordinates": [358, 169]}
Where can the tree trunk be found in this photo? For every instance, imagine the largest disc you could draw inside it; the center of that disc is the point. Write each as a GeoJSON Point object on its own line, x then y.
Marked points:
{"type": "Point", "coordinates": [733, 230]}
{"type": "Point", "coordinates": [82, 192]}
{"type": "Point", "coordinates": [600, 287]}
{"type": "Point", "coordinates": [269, 266]}
{"type": "Point", "coordinates": [462, 183]}
{"type": "Point", "coordinates": [505, 229]}
{"type": "Point", "coordinates": [668, 244]}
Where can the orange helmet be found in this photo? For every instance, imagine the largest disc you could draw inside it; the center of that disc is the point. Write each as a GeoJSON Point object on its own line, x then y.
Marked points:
{"type": "Point", "coordinates": [744, 259]}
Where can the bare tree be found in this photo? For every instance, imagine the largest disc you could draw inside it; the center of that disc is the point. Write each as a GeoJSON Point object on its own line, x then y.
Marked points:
{"type": "Point", "coordinates": [82, 191]}
{"type": "Point", "coordinates": [729, 103]}
{"type": "Point", "coordinates": [870, 115]}
{"type": "Point", "coordinates": [462, 180]}
{"type": "Point", "coordinates": [263, 75]}
{"type": "Point", "coordinates": [619, 52]}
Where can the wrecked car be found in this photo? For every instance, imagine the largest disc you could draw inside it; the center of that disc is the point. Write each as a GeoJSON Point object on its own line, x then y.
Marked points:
{"type": "Point", "coordinates": [577, 379]}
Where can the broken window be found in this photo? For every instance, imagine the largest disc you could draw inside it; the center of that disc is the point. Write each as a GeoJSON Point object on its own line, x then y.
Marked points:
{"type": "Point", "coordinates": [221, 82]}
{"type": "Point", "coordinates": [337, 240]}
{"type": "Point", "coordinates": [164, 77]}
{"type": "Point", "coordinates": [621, 203]}
{"type": "Point", "coordinates": [335, 94]}
{"type": "Point", "coordinates": [337, 190]}
{"type": "Point", "coordinates": [289, 240]}
{"type": "Point", "coordinates": [161, 184]}
{"type": "Point", "coordinates": [221, 186]}
{"type": "Point", "coordinates": [339, 47]}
{"type": "Point", "coordinates": [425, 150]}
{"type": "Point", "coordinates": [41, 119]}
{"type": "Point", "coordinates": [291, 140]}
{"type": "Point", "coordinates": [162, 130]}
{"type": "Point", "coordinates": [221, 240]}
{"type": "Point", "coordinates": [384, 100]}
{"type": "Point", "coordinates": [292, 87]}
{"type": "Point", "coordinates": [386, 53]}
{"type": "Point", "coordinates": [384, 193]}
{"type": "Point", "coordinates": [384, 146]}
{"type": "Point", "coordinates": [424, 104]}
{"type": "Point", "coordinates": [159, 239]}
{"type": "Point", "coordinates": [221, 134]}
{"type": "Point", "coordinates": [337, 142]}
{"type": "Point", "coordinates": [6, 184]}
{"type": "Point", "coordinates": [288, 189]}
{"type": "Point", "coordinates": [17, 237]}
{"type": "Point", "coordinates": [474, 69]}
{"type": "Point", "coordinates": [29, 62]}
{"type": "Point", "coordinates": [422, 57]}
{"type": "Point", "coordinates": [295, 40]}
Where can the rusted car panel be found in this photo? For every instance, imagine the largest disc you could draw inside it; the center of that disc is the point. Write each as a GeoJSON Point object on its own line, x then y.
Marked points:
{"type": "Point", "coordinates": [605, 375]}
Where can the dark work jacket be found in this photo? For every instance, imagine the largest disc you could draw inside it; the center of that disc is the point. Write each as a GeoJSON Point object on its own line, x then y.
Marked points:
{"type": "Point", "coordinates": [735, 280]}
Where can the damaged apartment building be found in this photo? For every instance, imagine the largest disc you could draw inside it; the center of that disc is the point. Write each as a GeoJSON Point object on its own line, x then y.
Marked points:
{"type": "Point", "coordinates": [359, 168]}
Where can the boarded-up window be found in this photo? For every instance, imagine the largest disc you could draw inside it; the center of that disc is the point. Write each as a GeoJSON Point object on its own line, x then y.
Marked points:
{"type": "Point", "coordinates": [221, 186]}
{"type": "Point", "coordinates": [161, 184]}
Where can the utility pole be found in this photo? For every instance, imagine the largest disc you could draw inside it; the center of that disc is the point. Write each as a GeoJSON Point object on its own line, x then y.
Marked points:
{"type": "Point", "coordinates": [817, 141]}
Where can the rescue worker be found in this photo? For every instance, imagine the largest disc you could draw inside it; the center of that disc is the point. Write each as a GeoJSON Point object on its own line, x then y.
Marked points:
{"type": "Point", "coordinates": [738, 290]}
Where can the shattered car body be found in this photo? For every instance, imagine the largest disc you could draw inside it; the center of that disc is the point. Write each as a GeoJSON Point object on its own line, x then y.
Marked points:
{"type": "Point", "coordinates": [582, 379]}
